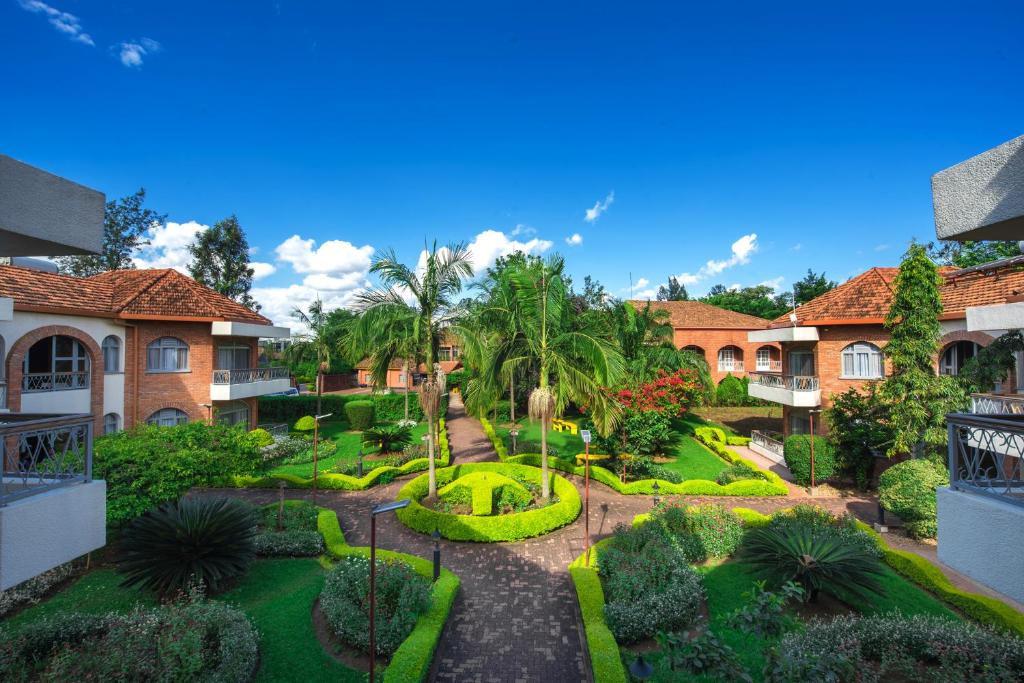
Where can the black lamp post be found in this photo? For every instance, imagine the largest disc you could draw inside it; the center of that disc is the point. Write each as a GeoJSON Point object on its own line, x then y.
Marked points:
{"type": "Point", "coordinates": [585, 435]}
{"type": "Point", "coordinates": [437, 553]}
{"type": "Point", "coordinates": [640, 668]}
{"type": "Point", "coordinates": [382, 508]}
{"type": "Point", "coordinates": [360, 466]}
{"type": "Point", "coordinates": [657, 489]}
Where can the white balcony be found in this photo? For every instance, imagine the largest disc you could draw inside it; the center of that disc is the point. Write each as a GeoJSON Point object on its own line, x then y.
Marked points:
{"type": "Point", "coordinates": [769, 366]}
{"type": "Point", "coordinates": [730, 366]}
{"type": "Point", "coordinates": [791, 390]}
{"type": "Point", "coordinates": [224, 328]}
{"type": "Point", "coordinates": [784, 334]}
{"type": "Point", "coordinates": [232, 385]}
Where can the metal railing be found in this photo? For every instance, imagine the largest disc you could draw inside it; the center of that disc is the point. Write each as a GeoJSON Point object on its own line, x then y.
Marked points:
{"type": "Point", "coordinates": [986, 455]}
{"type": "Point", "coordinates": [54, 381]}
{"type": "Point", "coordinates": [769, 366]}
{"type": "Point", "coordinates": [249, 375]}
{"type": "Point", "coordinates": [43, 452]}
{"type": "Point", "coordinates": [768, 442]}
{"type": "Point", "coordinates": [730, 366]}
{"type": "Point", "coordinates": [997, 404]}
{"type": "Point", "coordinates": [787, 382]}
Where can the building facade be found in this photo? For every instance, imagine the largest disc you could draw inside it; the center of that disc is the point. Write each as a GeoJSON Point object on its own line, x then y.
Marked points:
{"type": "Point", "coordinates": [402, 375]}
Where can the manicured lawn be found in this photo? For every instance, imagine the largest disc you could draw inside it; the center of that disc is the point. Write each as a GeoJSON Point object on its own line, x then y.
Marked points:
{"type": "Point", "coordinates": [349, 443]}
{"type": "Point", "coordinates": [563, 443]}
{"type": "Point", "coordinates": [692, 460]}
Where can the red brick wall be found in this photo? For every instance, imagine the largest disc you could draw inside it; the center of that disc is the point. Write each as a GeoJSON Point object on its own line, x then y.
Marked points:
{"type": "Point", "coordinates": [711, 340]}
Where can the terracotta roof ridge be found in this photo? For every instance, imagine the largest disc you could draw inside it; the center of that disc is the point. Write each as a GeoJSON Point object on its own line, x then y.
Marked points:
{"type": "Point", "coordinates": [139, 291]}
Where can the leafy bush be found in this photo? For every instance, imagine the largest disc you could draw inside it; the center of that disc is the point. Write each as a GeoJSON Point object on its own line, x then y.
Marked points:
{"type": "Point", "coordinates": [306, 423]}
{"type": "Point", "coordinates": [205, 641]}
{"type": "Point", "coordinates": [764, 613]}
{"type": "Point", "coordinates": [649, 586]}
{"type": "Point", "coordinates": [815, 561]}
{"type": "Point", "coordinates": [894, 647]}
{"type": "Point", "coordinates": [706, 655]}
{"type": "Point", "coordinates": [194, 540]}
{"type": "Point", "coordinates": [402, 595]}
{"type": "Point", "coordinates": [388, 407]}
{"type": "Point", "coordinates": [149, 465]}
{"type": "Point", "coordinates": [823, 523]}
{"type": "Point", "coordinates": [391, 407]}
{"type": "Point", "coordinates": [289, 544]}
{"type": "Point", "coordinates": [797, 452]}
{"type": "Point", "coordinates": [389, 438]}
{"type": "Point", "coordinates": [642, 467]}
{"type": "Point", "coordinates": [647, 432]}
{"type": "Point", "coordinates": [260, 438]}
{"type": "Point", "coordinates": [284, 447]}
{"type": "Point", "coordinates": [298, 535]}
{"type": "Point", "coordinates": [360, 414]}
{"type": "Point", "coordinates": [908, 489]}
{"type": "Point", "coordinates": [701, 531]}
{"type": "Point", "coordinates": [33, 590]}
{"type": "Point", "coordinates": [324, 449]}
{"type": "Point", "coordinates": [856, 426]}
{"type": "Point", "coordinates": [739, 472]}
{"type": "Point", "coordinates": [731, 392]}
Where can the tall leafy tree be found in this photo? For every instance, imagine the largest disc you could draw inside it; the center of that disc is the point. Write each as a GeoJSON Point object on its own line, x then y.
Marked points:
{"type": "Point", "coordinates": [972, 253]}
{"type": "Point", "coordinates": [432, 306]}
{"type": "Point", "coordinates": [674, 291]}
{"type": "Point", "coordinates": [316, 344]}
{"type": "Point", "coordinates": [125, 222]}
{"type": "Point", "coordinates": [760, 300]}
{"type": "Point", "coordinates": [811, 286]}
{"type": "Point", "coordinates": [220, 260]}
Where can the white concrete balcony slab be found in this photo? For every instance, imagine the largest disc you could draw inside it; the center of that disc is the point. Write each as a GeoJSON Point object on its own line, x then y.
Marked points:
{"type": "Point", "coordinates": [6, 309]}
{"type": "Point", "coordinates": [996, 317]}
{"type": "Point", "coordinates": [232, 385]}
{"type": "Point", "coordinates": [797, 391]}
{"type": "Point", "coordinates": [784, 334]}
{"type": "Point", "coordinates": [224, 328]}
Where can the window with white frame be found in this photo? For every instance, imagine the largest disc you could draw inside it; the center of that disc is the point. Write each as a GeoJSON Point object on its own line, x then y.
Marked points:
{"type": "Point", "coordinates": [167, 354]}
{"type": "Point", "coordinates": [764, 359]}
{"type": "Point", "coordinates": [862, 360]}
{"type": "Point", "coordinates": [233, 357]}
{"type": "Point", "coordinates": [236, 412]}
{"type": "Point", "coordinates": [111, 423]}
{"type": "Point", "coordinates": [168, 417]}
{"type": "Point", "coordinates": [57, 363]}
{"type": "Point", "coordinates": [728, 359]}
{"type": "Point", "coordinates": [111, 354]}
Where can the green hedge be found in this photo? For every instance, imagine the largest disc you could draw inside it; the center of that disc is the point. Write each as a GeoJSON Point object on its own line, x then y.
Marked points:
{"type": "Point", "coordinates": [908, 489]}
{"type": "Point", "coordinates": [347, 482]}
{"type": "Point", "coordinates": [389, 407]}
{"type": "Point", "coordinates": [797, 452]}
{"type": "Point", "coordinates": [411, 661]}
{"type": "Point", "coordinates": [488, 529]}
{"type": "Point", "coordinates": [360, 415]}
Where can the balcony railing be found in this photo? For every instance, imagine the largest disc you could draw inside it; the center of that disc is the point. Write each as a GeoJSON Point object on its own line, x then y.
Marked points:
{"type": "Point", "coordinates": [43, 452]}
{"type": "Point", "coordinates": [997, 404]}
{"type": "Point", "coordinates": [769, 366]}
{"type": "Point", "coordinates": [787, 382]}
{"type": "Point", "coordinates": [986, 455]}
{"type": "Point", "coordinates": [54, 381]}
{"type": "Point", "coordinates": [768, 441]}
{"type": "Point", "coordinates": [249, 375]}
{"type": "Point", "coordinates": [730, 366]}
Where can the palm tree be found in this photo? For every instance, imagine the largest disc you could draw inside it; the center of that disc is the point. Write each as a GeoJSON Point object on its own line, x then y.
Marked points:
{"type": "Point", "coordinates": [386, 333]}
{"type": "Point", "coordinates": [315, 344]}
{"type": "Point", "coordinates": [426, 297]}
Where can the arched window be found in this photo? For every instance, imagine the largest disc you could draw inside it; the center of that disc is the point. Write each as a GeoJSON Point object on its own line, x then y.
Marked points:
{"type": "Point", "coordinates": [111, 423]}
{"type": "Point", "coordinates": [167, 354]}
{"type": "Point", "coordinates": [57, 363]}
{"type": "Point", "coordinates": [862, 360]}
{"type": "Point", "coordinates": [235, 412]}
{"type": "Point", "coordinates": [730, 358]}
{"type": "Point", "coordinates": [168, 417]}
{"type": "Point", "coordinates": [955, 355]}
{"type": "Point", "coordinates": [111, 354]}
{"type": "Point", "coordinates": [767, 360]}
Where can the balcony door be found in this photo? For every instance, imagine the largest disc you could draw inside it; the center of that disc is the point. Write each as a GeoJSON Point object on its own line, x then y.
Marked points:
{"type": "Point", "coordinates": [801, 363]}
{"type": "Point", "coordinates": [235, 357]}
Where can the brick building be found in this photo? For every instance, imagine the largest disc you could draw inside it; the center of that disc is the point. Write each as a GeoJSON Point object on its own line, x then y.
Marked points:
{"type": "Point", "coordinates": [448, 358]}
{"type": "Point", "coordinates": [131, 346]}
{"type": "Point", "coordinates": [720, 336]}
{"type": "Point", "coordinates": [836, 341]}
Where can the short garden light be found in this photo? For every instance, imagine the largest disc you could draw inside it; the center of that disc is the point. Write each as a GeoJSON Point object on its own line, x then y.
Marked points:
{"type": "Point", "coordinates": [380, 509]}
{"type": "Point", "coordinates": [360, 463]}
{"type": "Point", "coordinates": [640, 668]}
{"type": "Point", "coordinates": [657, 489]}
{"type": "Point", "coordinates": [513, 433]}
{"type": "Point", "coordinates": [437, 553]}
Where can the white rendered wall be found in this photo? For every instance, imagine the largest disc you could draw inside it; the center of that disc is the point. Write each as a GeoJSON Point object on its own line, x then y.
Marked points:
{"type": "Point", "coordinates": [65, 402]}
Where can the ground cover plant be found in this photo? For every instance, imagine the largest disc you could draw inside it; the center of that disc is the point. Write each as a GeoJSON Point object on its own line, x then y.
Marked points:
{"type": "Point", "coordinates": [288, 528]}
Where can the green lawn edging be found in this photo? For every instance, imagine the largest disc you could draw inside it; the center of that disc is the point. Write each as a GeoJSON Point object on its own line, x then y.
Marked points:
{"type": "Point", "coordinates": [488, 529]}
{"type": "Point", "coordinates": [773, 486]}
{"type": "Point", "coordinates": [411, 661]}
{"type": "Point", "coordinates": [346, 482]}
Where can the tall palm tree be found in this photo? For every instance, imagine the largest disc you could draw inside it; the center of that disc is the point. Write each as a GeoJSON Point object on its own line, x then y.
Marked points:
{"type": "Point", "coordinates": [427, 297]}
{"type": "Point", "coordinates": [386, 334]}
{"type": "Point", "coordinates": [315, 344]}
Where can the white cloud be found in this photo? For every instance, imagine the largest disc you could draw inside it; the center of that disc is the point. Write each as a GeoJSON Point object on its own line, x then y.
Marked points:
{"type": "Point", "coordinates": [131, 52]}
{"type": "Point", "coordinates": [775, 283]}
{"type": "Point", "coordinates": [333, 256]}
{"type": "Point", "coordinates": [734, 287]}
{"type": "Point", "coordinates": [261, 270]}
{"type": "Point", "coordinates": [797, 247]}
{"type": "Point", "coordinates": [522, 229]}
{"type": "Point", "coordinates": [599, 207]}
{"type": "Point", "coordinates": [645, 294]}
{"type": "Point", "coordinates": [66, 23]}
{"type": "Point", "coordinates": [881, 247]}
{"type": "Point", "coordinates": [574, 240]}
{"type": "Point", "coordinates": [487, 246]}
{"type": "Point", "coordinates": [742, 250]}
{"type": "Point", "coordinates": [168, 246]}
{"type": "Point", "coordinates": [279, 302]}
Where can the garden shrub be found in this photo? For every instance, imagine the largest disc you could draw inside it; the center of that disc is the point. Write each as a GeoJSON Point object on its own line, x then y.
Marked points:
{"type": "Point", "coordinates": [324, 449]}
{"type": "Point", "coordinates": [894, 647]}
{"type": "Point", "coordinates": [734, 440]}
{"type": "Point", "coordinates": [402, 596]}
{"type": "Point", "coordinates": [260, 438]}
{"type": "Point", "coordinates": [703, 655]}
{"type": "Point", "coordinates": [389, 438]}
{"type": "Point", "coordinates": [764, 613]}
{"type": "Point", "coordinates": [647, 432]}
{"type": "Point", "coordinates": [739, 472]}
{"type": "Point", "coordinates": [306, 423]}
{"type": "Point", "coordinates": [360, 414]}
{"type": "Point", "coordinates": [797, 452]}
{"type": "Point", "coordinates": [149, 465]}
{"type": "Point", "coordinates": [605, 660]}
{"type": "Point", "coordinates": [391, 407]}
{"type": "Point", "coordinates": [195, 540]}
{"type": "Point", "coordinates": [731, 392]}
{"type": "Point", "coordinates": [284, 447]}
{"type": "Point", "coordinates": [298, 536]}
{"type": "Point", "coordinates": [823, 523]}
{"type": "Point", "coordinates": [708, 435]}
{"type": "Point", "coordinates": [701, 531]}
{"type": "Point", "coordinates": [388, 407]}
{"type": "Point", "coordinates": [908, 489]}
{"type": "Point", "coordinates": [184, 641]}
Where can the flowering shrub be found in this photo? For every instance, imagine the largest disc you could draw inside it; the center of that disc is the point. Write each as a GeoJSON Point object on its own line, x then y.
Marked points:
{"type": "Point", "coordinates": [701, 531]}
{"type": "Point", "coordinates": [671, 394]}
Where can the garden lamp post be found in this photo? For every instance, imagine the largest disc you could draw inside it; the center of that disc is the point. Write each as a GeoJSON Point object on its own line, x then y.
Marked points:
{"type": "Point", "coordinates": [585, 435]}
{"type": "Point", "coordinates": [360, 464]}
{"type": "Point", "coordinates": [316, 438]}
{"type": "Point", "coordinates": [657, 490]}
{"type": "Point", "coordinates": [513, 433]}
{"type": "Point", "coordinates": [811, 414]}
{"type": "Point", "coordinates": [640, 668]}
{"type": "Point", "coordinates": [209, 412]}
{"type": "Point", "coordinates": [437, 554]}
{"type": "Point", "coordinates": [380, 509]}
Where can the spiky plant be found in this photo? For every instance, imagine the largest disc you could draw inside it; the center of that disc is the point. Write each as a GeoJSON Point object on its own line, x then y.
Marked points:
{"type": "Point", "coordinates": [817, 562]}
{"type": "Point", "coordinates": [390, 438]}
{"type": "Point", "coordinates": [176, 545]}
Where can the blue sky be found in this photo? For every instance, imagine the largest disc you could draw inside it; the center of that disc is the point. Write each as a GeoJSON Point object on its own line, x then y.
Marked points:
{"type": "Point", "coordinates": [336, 130]}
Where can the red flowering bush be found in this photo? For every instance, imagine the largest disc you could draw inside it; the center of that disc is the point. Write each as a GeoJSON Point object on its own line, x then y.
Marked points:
{"type": "Point", "coordinates": [670, 394]}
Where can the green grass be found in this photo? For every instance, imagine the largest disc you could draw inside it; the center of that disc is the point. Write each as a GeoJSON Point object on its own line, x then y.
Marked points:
{"type": "Point", "coordinates": [563, 443]}
{"type": "Point", "coordinates": [693, 461]}
{"type": "Point", "coordinates": [277, 594]}
{"type": "Point", "coordinates": [349, 443]}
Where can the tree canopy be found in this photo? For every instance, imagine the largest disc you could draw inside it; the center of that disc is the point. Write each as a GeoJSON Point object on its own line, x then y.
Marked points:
{"type": "Point", "coordinates": [674, 291]}
{"type": "Point", "coordinates": [811, 286]}
{"type": "Point", "coordinates": [970, 253]}
{"type": "Point", "coordinates": [220, 260]}
{"type": "Point", "coordinates": [759, 300]}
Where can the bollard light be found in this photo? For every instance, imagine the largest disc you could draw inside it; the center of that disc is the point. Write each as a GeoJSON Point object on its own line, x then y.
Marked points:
{"type": "Point", "coordinates": [437, 554]}
{"type": "Point", "coordinates": [513, 433]}
{"type": "Point", "coordinates": [657, 490]}
{"type": "Point", "coordinates": [360, 466]}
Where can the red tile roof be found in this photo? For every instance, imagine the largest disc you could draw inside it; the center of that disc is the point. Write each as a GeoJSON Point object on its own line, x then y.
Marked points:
{"type": "Point", "coordinates": [699, 315]}
{"type": "Point", "coordinates": [866, 298]}
{"type": "Point", "coordinates": [139, 294]}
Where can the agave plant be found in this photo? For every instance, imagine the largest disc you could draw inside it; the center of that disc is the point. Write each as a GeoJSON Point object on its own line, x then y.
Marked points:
{"type": "Point", "coordinates": [390, 438]}
{"type": "Point", "coordinates": [177, 545]}
{"type": "Point", "coordinates": [816, 562]}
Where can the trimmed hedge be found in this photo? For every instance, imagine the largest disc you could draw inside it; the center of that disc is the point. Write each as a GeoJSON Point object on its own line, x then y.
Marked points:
{"type": "Point", "coordinates": [411, 661]}
{"type": "Point", "coordinates": [908, 489]}
{"type": "Point", "coordinates": [797, 451]}
{"type": "Point", "coordinates": [605, 660]}
{"type": "Point", "coordinates": [493, 528]}
{"type": "Point", "coordinates": [360, 415]}
{"type": "Point", "coordinates": [389, 407]}
{"type": "Point", "coordinates": [346, 482]}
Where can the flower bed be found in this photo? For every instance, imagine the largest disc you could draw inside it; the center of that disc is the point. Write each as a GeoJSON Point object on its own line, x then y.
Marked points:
{"type": "Point", "coordinates": [298, 536]}
{"type": "Point", "coordinates": [489, 528]}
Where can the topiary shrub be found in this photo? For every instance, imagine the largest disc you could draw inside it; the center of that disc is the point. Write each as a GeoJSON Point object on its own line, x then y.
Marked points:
{"type": "Point", "coordinates": [701, 531]}
{"type": "Point", "coordinates": [402, 596]}
{"type": "Point", "coordinates": [908, 489]}
{"type": "Point", "coordinates": [195, 540]}
{"type": "Point", "coordinates": [360, 414]}
{"type": "Point", "coordinates": [306, 423]}
{"type": "Point", "coordinates": [260, 438]}
{"type": "Point", "coordinates": [731, 392]}
{"type": "Point", "coordinates": [797, 452]}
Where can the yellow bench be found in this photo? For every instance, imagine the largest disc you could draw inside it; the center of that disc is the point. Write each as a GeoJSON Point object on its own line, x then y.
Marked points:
{"type": "Point", "coordinates": [581, 458]}
{"type": "Point", "coordinates": [564, 426]}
